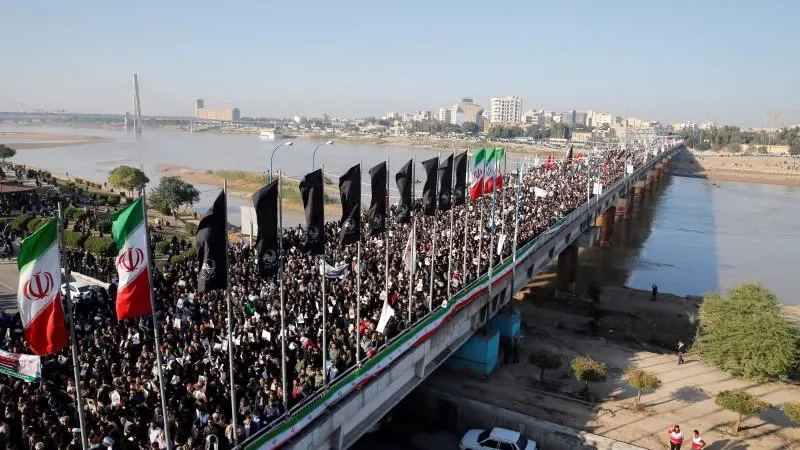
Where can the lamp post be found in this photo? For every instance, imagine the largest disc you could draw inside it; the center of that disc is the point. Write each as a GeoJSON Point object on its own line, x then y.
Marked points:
{"type": "Point", "coordinates": [285, 144]}
{"type": "Point", "coordinates": [314, 155]}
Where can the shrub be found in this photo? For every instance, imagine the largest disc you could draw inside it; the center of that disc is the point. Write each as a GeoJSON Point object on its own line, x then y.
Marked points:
{"type": "Point", "coordinates": [19, 223]}
{"type": "Point", "coordinates": [162, 248]}
{"type": "Point", "coordinates": [35, 223]}
{"type": "Point", "coordinates": [191, 228]}
{"type": "Point", "coordinates": [545, 360]}
{"type": "Point", "coordinates": [792, 412]}
{"type": "Point", "coordinates": [642, 381]}
{"type": "Point", "coordinates": [741, 403]}
{"type": "Point", "coordinates": [104, 226]}
{"type": "Point", "coordinates": [112, 200]}
{"type": "Point", "coordinates": [74, 239]}
{"type": "Point", "coordinates": [588, 370]}
{"type": "Point", "coordinates": [177, 258]}
{"type": "Point", "coordinates": [70, 212]}
{"type": "Point", "coordinates": [190, 253]}
{"type": "Point", "coordinates": [100, 245]}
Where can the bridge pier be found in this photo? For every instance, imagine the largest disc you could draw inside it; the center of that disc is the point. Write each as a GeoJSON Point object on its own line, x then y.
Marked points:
{"type": "Point", "coordinates": [621, 209]}
{"type": "Point", "coordinates": [567, 269]}
{"type": "Point", "coordinates": [607, 229]}
{"type": "Point", "coordinates": [638, 191]}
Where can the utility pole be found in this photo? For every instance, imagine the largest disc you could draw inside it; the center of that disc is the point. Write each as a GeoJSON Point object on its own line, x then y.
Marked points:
{"type": "Point", "coordinates": [137, 106]}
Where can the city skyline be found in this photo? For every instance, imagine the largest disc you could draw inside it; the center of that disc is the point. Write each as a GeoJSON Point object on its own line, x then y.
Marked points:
{"type": "Point", "coordinates": [672, 63]}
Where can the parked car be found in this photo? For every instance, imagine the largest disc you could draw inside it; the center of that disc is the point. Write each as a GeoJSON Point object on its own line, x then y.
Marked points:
{"type": "Point", "coordinates": [75, 289]}
{"type": "Point", "coordinates": [495, 439]}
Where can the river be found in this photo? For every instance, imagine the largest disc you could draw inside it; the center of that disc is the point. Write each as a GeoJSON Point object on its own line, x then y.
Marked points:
{"type": "Point", "coordinates": [690, 239]}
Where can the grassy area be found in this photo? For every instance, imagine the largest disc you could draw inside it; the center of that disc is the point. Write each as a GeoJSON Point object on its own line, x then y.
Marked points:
{"type": "Point", "coordinates": [252, 181]}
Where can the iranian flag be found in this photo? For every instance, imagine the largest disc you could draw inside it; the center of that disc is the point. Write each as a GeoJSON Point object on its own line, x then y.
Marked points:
{"type": "Point", "coordinates": [39, 293]}
{"type": "Point", "coordinates": [493, 174]}
{"type": "Point", "coordinates": [478, 168]}
{"type": "Point", "coordinates": [133, 257]}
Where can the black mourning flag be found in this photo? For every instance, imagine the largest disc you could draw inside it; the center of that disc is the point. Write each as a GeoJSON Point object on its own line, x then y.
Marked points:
{"type": "Point", "coordinates": [350, 193]}
{"type": "Point", "coordinates": [265, 201]}
{"type": "Point", "coordinates": [211, 243]}
{"type": "Point", "coordinates": [404, 185]}
{"type": "Point", "coordinates": [377, 205]}
{"type": "Point", "coordinates": [311, 190]}
{"type": "Point", "coordinates": [431, 167]}
{"type": "Point", "coordinates": [445, 182]}
{"type": "Point", "coordinates": [568, 157]}
{"type": "Point", "coordinates": [460, 162]}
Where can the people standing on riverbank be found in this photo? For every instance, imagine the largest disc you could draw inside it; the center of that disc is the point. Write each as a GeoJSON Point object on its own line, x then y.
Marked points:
{"type": "Point", "coordinates": [675, 438]}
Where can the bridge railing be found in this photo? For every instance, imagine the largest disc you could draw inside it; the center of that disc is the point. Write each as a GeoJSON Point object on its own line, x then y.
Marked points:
{"type": "Point", "coordinates": [300, 416]}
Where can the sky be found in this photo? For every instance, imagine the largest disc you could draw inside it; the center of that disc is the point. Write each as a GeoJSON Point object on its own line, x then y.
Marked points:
{"type": "Point", "coordinates": [728, 61]}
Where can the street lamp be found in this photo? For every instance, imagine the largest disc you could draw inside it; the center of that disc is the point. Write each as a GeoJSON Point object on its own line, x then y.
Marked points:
{"type": "Point", "coordinates": [285, 144]}
{"type": "Point", "coordinates": [313, 155]}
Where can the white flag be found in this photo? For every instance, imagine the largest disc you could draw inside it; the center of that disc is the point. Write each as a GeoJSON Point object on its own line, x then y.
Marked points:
{"type": "Point", "coordinates": [539, 192]}
{"type": "Point", "coordinates": [410, 253]}
{"type": "Point", "coordinates": [500, 242]}
{"type": "Point", "coordinates": [386, 313]}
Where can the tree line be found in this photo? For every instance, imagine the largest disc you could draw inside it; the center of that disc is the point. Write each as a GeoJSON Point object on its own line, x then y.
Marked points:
{"type": "Point", "coordinates": [733, 138]}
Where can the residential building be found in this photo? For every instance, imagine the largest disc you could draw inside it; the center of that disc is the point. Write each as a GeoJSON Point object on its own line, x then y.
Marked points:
{"type": "Point", "coordinates": [506, 110]}
{"type": "Point", "coordinates": [467, 111]}
{"type": "Point", "coordinates": [531, 117]}
{"type": "Point", "coordinates": [568, 117]}
{"type": "Point", "coordinates": [598, 119]}
{"type": "Point", "coordinates": [582, 136]}
{"type": "Point", "coordinates": [444, 115]}
{"type": "Point", "coordinates": [198, 105]}
{"type": "Point", "coordinates": [391, 115]}
{"type": "Point", "coordinates": [221, 114]}
{"type": "Point", "coordinates": [580, 118]}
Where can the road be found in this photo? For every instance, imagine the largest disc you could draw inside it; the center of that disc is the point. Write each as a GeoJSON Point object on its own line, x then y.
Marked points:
{"type": "Point", "coordinates": [9, 278]}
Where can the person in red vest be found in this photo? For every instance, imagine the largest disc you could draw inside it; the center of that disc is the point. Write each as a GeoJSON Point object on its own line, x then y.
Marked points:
{"type": "Point", "coordinates": [697, 441]}
{"type": "Point", "coordinates": [675, 438]}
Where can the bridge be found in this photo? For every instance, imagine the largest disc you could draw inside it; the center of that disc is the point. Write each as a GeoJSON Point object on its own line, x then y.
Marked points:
{"type": "Point", "coordinates": [339, 416]}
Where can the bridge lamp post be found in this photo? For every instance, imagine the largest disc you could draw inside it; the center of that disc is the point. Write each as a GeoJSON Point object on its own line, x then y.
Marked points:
{"type": "Point", "coordinates": [314, 155]}
{"type": "Point", "coordinates": [285, 144]}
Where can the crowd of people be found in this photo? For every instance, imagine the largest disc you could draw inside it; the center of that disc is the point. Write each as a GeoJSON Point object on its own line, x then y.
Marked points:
{"type": "Point", "coordinates": [119, 378]}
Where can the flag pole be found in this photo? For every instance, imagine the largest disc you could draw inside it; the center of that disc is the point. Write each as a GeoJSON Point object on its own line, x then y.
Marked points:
{"type": "Point", "coordinates": [323, 305]}
{"type": "Point", "coordinates": [159, 359]}
{"type": "Point", "coordinates": [284, 382]}
{"type": "Point", "coordinates": [516, 225]}
{"type": "Point", "coordinates": [386, 232]}
{"type": "Point", "coordinates": [358, 282]}
{"type": "Point", "coordinates": [466, 231]}
{"type": "Point", "coordinates": [433, 246]}
{"type": "Point", "coordinates": [493, 229]}
{"type": "Point", "coordinates": [450, 235]}
{"type": "Point", "coordinates": [74, 346]}
{"type": "Point", "coordinates": [411, 269]}
{"type": "Point", "coordinates": [503, 194]}
{"type": "Point", "coordinates": [234, 419]}
{"type": "Point", "coordinates": [480, 225]}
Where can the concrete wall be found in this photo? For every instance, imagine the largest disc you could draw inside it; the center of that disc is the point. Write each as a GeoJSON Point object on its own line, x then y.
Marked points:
{"type": "Point", "coordinates": [432, 405]}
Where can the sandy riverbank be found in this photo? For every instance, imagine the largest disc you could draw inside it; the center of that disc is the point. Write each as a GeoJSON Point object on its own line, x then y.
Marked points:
{"type": "Point", "coordinates": [48, 140]}
{"type": "Point", "coordinates": [780, 170]}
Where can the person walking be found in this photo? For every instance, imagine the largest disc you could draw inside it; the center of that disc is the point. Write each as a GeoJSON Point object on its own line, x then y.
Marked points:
{"type": "Point", "coordinates": [681, 351]}
{"type": "Point", "coordinates": [653, 293]}
{"type": "Point", "coordinates": [675, 438]}
{"type": "Point", "coordinates": [697, 441]}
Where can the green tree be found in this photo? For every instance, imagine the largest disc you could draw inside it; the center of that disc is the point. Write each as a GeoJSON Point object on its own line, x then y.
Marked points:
{"type": "Point", "coordinates": [470, 128]}
{"type": "Point", "coordinates": [6, 152]}
{"type": "Point", "coordinates": [128, 178]}
{"type": "Point", "coordinates": [741, 403]}
{"type": "Point", "coordinates": [642, 381]}
{"type": "Point", "coordinates": [792, 412]}
{"type": "Point", "coordinates": [172, 193]}
{"type": "Point", "coordinates": [735, 147]}
{"type": "Point", "coordinates": [545, 360]}
{"type": "Point", "coordinates": [746, 333]}
{"type": "Point", "coordinates": [795, 148]}
{"type": "Point", "coordinates": [588, 370]}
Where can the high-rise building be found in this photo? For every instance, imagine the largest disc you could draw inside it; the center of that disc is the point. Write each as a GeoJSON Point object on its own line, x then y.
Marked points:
{"type": "Point", "coordinates": [444, 115]}
{"type": "Point", "coordinates": [506, 110]}
{"type": "Point", "coordinates": [568, 116]}
{"type": "Point", "coordinates": [198, 105]}
{"type": "Point", "coordinates": [467, 111]}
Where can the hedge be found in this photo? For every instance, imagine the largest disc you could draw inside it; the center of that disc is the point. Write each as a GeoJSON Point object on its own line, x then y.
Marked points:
{"type": "Point", "coordinates": [101, 245]}
{"type": "Point", "coordinates": [104, 226]}
{"type": "Point", "coordinates": [191, 228]}
{"type": "Point", "coordinates": [162, 248]}
{"type": "Point", "coordinates": [70, 212]}
{"type": "Point", "coordinates": [35, 223]}
{"type": "Point", "coordinates": [20, 222]}
{"type": "Point", "coordinates": [74, 239]}
{"type": "Point", "coordinates": [112, 200]}
{"type": "Point", "coordinates": [190, 253]}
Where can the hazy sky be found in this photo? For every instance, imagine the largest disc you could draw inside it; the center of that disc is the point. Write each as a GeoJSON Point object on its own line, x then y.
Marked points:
{"type": "Point", "coordinates": [726, 60]}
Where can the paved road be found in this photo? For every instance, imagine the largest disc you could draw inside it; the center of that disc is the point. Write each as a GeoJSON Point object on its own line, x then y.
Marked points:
{"type": "Point", "coordinates": [9, 278]}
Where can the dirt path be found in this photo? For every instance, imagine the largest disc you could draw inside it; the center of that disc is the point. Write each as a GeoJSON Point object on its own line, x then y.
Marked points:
{"type": "Point", "coordinates": [686, 396]}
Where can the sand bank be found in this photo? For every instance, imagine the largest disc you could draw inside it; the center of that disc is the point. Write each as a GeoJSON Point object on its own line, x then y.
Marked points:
{"type": "Point", "coordinates": [48, 140]}
{"type": "Point", "coordinates": [780, 170]}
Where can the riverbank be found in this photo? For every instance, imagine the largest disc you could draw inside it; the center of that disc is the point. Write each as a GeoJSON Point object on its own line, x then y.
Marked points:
{"type": "Point", "coordinates": [779, 170]}
{"type": "Point", "coordinates": [48, 140]}
{"type": "Point", "coordinates": [633, 332]}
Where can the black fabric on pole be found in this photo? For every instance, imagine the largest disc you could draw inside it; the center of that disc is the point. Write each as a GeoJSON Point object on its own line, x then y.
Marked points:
{"type": "Point", "coordinates": [350, 193]}
{"type": "Point", "coordinates": [404, 185]}
{"type": "Point", "coordinates": [445, 182]}
{"type": "Point", "coordinates": [431, 167]}
{"type": "Point", "coordinates": [460, 162]}
{"type": "Point", "coordinates": [211, 243]}
{"type": "Point", "coordinates": [568, 157]}
{"type": "Point", "coordinates": [377, 205]}
{"type": "Point", "coordinates": [265, 202]}
{"type": "Point", "coordinates": [311, 189]}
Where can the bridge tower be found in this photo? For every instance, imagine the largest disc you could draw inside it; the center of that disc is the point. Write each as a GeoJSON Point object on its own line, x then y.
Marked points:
{"type": "Point", "coordinates": [137, 106]}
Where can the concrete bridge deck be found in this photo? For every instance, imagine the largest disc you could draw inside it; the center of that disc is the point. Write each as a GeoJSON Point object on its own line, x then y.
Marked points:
{"type": "Point", "coordinates": [338, 417]}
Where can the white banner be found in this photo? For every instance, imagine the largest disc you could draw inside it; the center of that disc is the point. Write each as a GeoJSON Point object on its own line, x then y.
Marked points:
{"type": "Point", "coordinates": [248, 214]}
{"type": "Point", "coordinates": [597, 189]}
{"type": "Point", "coordinates": [386, 313]}
{"type": "Point", "coordinates": [25, 367]}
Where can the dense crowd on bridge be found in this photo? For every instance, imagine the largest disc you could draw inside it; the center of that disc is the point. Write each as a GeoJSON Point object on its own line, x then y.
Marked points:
{"type": "Point", "coordinates": [117, 360]}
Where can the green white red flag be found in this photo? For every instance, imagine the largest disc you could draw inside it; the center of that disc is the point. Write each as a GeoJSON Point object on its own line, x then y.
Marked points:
{"type": "Point", "coordinates": [478, 169]}
{"type": "Point", "coordinates": [129, 229]}
{"type": "Point", "coordinates": [39, 293]}
{"type": "Point", "coordinates": [493, 177]}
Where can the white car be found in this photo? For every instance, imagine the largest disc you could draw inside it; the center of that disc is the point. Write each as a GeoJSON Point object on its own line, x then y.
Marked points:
{"type": "Point", "coordinates": [496, 439]}
{"type": "Point", "coordinates": [75, 289]}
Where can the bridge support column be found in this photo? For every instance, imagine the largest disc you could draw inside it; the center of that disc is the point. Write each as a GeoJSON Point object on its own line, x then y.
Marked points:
{"type": "Point", "coordinates": [607, 230]}
{"type": "Point", "coordinates": [567, 269]}
{"type": "Point", "coordinates": [651, 178]}
{"type": "Point", "coordinates": [659, 171]}
{"type": "Point", "coordinates": [622, 208]}
{"type": "Point", "coordinates": [638, 191]}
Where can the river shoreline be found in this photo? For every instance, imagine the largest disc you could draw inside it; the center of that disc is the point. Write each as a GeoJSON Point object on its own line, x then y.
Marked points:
{"type": "Point", "coordinates": [48, 140]}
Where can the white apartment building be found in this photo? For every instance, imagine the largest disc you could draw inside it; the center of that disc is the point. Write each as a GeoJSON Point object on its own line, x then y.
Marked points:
{"type": "Point", "coordinates": [444, 115]}
{"type": "Point", "coordinates": [506, 110]}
